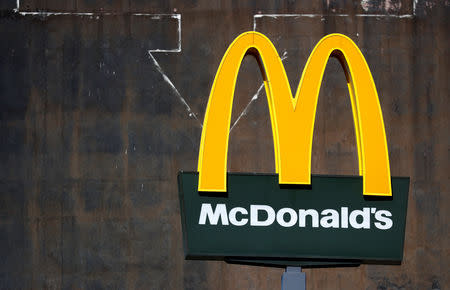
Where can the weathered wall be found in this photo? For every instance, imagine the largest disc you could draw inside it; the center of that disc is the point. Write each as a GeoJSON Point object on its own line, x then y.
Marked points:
{"type": "Point", "coordinates": [94, 129]}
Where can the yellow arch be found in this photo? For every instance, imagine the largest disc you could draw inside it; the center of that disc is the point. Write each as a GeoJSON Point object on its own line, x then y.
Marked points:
{"type": "Point", "coordinates": [293, 118]}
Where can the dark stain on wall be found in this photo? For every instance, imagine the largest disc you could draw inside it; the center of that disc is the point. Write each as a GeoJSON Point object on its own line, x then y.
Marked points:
{"type": "Point", "coordinates": [94, 128]}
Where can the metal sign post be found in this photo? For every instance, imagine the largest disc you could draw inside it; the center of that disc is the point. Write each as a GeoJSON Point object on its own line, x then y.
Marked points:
{"type": "Point", "coordinates": [293, 279]}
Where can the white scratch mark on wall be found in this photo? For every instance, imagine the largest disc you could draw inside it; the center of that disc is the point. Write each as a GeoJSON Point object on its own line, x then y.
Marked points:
{"type": "Point", "coordinates": [254, 98]}
{"type": "Point", "coordinates": [173, 16]}
{"type": "Point", "coordinates": [245, 111]}
{"type": "Point", "coordinates": [46, 14]}
{"type": "Point", "coordinates": [154, 16]}
{"type": "Point", "coordinates": [17, 6]}
{"type": "Point", "coordinates": [179, 31]}
{"type": "Point", "coordinates": [284, 56]}
{"type": "Point", "coordinates": [386, 15]}
{"type": "Point", "coordinates": [276, 16]}
{"type": "Point", "coordinates": [174, 89]}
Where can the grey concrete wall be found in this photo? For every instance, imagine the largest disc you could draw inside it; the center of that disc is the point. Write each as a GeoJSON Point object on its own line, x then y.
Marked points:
{"type": "Point", "coordinates": [94, 129]}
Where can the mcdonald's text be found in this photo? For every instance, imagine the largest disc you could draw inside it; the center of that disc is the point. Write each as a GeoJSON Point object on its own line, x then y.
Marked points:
{"type": "Point", "coordinates": [265, 215]}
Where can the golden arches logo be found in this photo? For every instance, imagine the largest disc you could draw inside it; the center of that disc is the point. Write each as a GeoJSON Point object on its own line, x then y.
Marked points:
{"type": "Point", "coordinates": [293, 119]}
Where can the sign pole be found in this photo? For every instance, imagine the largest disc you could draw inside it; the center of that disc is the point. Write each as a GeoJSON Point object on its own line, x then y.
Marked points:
{"type": "Point", "coordinates": [293, 279]}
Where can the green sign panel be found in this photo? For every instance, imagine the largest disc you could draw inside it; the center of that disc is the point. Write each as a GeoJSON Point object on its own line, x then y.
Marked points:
{"type": "Point", "coordinates": [259, 221]}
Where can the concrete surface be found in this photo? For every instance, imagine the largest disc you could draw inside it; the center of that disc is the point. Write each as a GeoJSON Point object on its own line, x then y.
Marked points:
{"type": "Point", "coordinates": [94, 129]}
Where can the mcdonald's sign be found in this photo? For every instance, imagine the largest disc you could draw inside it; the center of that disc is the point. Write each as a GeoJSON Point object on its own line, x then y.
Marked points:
{"type": "Point", "coordinates": [292, 217]}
